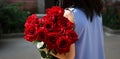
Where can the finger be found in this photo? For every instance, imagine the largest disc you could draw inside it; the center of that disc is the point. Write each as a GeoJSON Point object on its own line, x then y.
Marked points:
{"type": "Point", "coordinates": [54, 54]}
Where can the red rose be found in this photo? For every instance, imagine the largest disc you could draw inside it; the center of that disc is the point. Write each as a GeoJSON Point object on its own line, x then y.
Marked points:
{"type": "Point", "coordinates": [72, 35]}
{"type": "Point", "coordinates": [41, 34]}
{"type": "Point", "coordinates": [50, 18]}
{"type": "Point", "coordinates": [65, 23]}
{"type": "Point", "coordinates": [49, 26]}
{"type": "Point", "coordinates": [60, 31]}
{"type": "Point", "coordinates": [33, 19]}
{"type": "Point", "coordinates": [56, 11]}
{"type": "Point", "coordinates": [45, 18]}
{"type": "Point", "coordinates": [30, 33]}
{"type": "Point", "coordinates": [62, 22]}
{"type": "Point", "coordinates": [41, 22]}
{"type": "Point", "coordinates": [63, 45]}
{"type": "Point", "coordinates": [70, 25]}
{"type": "Point", "coordinates": [51, 40]}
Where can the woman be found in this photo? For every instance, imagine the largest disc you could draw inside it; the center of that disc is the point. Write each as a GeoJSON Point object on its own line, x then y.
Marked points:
{"type": "Point", "coordinates": [86, 16]}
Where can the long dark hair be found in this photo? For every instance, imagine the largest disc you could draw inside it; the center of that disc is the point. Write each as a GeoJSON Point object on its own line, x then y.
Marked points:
{"type": "Point", "coordinates": [88, 6]}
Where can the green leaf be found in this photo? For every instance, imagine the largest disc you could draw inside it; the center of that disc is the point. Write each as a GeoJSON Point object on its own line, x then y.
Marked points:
{"type": "Point", "coordinates": [43, 54]}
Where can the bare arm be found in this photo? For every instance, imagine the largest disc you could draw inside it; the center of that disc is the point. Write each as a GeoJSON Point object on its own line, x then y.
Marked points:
{"type": "Point", "coordinates": [71, 53]}
{"type": "Point", "coordinates": [68, 14]}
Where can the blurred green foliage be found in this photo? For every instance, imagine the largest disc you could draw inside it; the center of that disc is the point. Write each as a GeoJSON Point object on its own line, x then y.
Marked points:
{"type": "Point", "coordinates": [111, 17]}
{"type": "Point", "coordinates": [12, 18]}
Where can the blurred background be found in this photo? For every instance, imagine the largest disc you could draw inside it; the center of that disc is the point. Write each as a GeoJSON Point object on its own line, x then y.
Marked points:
{"type": "Point", "coordinates": [13, 14]}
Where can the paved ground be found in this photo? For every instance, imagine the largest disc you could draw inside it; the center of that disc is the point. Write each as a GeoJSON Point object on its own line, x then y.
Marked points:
{"type": "Point", "coordinates": [112, 46]}
{"type": "Point", "coordinates": [18, 48]}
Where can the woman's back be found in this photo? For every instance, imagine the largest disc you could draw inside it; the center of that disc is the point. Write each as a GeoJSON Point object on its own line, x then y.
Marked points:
{"type": "Point", "coordinates": [90, 36]}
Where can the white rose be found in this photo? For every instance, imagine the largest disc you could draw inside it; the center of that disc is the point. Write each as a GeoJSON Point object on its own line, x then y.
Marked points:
{"type": "Point", "coordinates": [40, 44]}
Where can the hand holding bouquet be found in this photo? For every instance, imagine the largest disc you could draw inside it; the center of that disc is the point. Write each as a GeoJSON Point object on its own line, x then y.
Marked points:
{"type": "Point", "coordinates": [53, 32]}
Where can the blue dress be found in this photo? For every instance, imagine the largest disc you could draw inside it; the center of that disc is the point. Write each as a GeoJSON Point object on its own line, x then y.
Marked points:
{"type": "Point", "coordinates": [90, 36]}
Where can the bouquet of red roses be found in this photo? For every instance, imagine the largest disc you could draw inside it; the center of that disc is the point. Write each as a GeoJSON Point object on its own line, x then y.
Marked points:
{"type": "Point", "coordinates": [53, 31]}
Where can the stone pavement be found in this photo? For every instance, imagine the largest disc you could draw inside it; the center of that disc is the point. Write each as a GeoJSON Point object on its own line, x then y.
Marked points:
{"type": "Point", "coordinates": [18, 48]}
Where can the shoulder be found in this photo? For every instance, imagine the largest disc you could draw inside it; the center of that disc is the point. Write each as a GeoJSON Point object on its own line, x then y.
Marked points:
{"type": "Point", "coordinates": [68, 14]}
